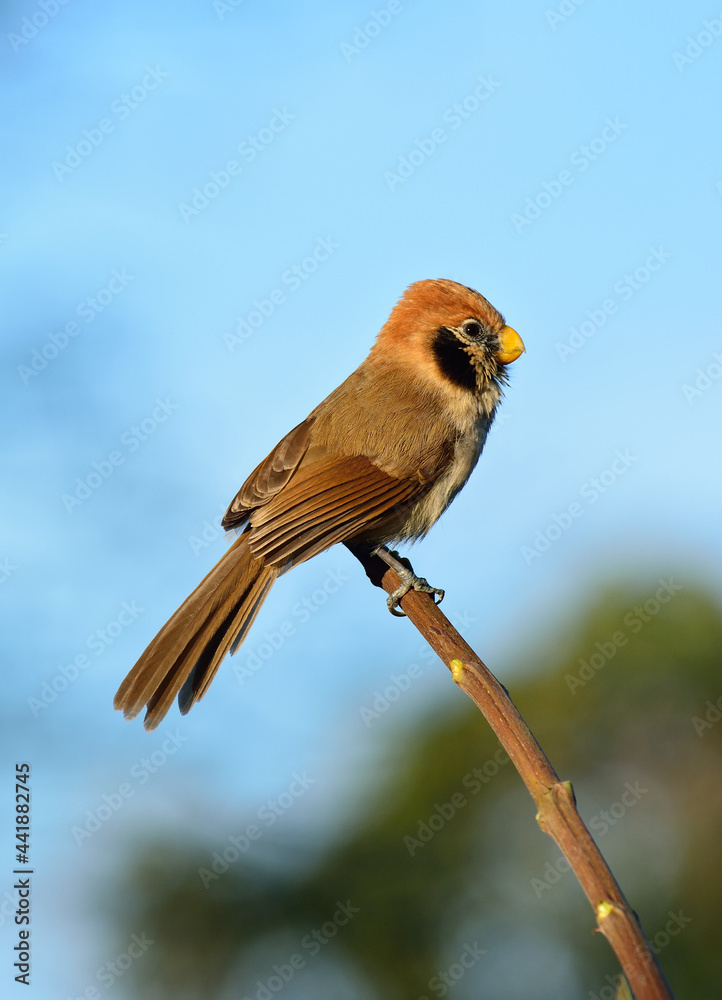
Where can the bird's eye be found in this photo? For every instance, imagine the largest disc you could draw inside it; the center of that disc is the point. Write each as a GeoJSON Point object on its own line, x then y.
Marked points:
{"type": "Point", "coordinates": [472, 328]}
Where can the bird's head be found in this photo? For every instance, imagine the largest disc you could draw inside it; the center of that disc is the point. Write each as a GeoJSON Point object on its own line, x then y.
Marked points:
{"type": "Point", "coordinates": [451, 333]}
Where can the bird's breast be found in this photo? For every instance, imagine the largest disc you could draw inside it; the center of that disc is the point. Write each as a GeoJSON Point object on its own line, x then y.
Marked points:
{"type": "Point", "coordinates": [467, 449]}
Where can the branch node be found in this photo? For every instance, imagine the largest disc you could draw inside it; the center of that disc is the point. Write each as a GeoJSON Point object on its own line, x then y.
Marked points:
{"type": "Point", "coordinates": [552, 802]}
{"type": "Point", "coordinates": [457, 671]}
{"type": "Point", "coordinates": [605, 909]}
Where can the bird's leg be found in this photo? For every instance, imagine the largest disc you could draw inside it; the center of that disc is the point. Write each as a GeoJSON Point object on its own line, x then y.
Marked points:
{"type": "Point", "coordinates": [365, 552]}
{"type": "Point", "coordinates": [409, 580]}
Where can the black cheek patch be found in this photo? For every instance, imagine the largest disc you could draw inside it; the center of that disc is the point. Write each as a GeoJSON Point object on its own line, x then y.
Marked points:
{"type": "Point", "coordinates": [452, 359]}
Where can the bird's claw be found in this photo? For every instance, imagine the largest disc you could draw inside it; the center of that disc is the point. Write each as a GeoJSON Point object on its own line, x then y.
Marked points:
{"type": "Point", "coordinates": [413, 583]}
{"type": "Point", "coordinates": [409, 580]}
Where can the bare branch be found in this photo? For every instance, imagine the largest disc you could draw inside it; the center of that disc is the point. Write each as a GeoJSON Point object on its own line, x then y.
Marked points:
{"type": "Point", "coordinates": [556, 806]}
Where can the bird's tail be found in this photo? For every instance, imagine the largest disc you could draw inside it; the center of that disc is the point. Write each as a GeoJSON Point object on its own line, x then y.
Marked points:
{"type": "Point", "coordinates": [185, 655]}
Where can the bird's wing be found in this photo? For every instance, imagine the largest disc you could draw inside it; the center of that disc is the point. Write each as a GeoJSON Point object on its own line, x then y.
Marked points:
{"type": "Point", "coordinates": [329, 500]}
{"type": "Point", "coordinates": [270, 476]}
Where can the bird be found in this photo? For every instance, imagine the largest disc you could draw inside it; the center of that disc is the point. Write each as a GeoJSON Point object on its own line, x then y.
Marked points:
{"type": "Point", "coordinates": [376, 463]}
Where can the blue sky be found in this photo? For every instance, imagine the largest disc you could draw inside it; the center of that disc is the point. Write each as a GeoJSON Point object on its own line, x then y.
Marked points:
{"type": "Point", "coordinates": [566, 166]}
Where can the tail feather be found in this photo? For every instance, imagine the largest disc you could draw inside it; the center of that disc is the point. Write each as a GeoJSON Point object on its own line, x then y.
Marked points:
{"type": "Point", "coordinates": [186, 653]}
{"type": "Point", "coordinates": [228, 637]}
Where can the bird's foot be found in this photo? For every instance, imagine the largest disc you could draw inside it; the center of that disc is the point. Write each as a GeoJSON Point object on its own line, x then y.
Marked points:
{"type": "Point", "coordinates": [409, 581]}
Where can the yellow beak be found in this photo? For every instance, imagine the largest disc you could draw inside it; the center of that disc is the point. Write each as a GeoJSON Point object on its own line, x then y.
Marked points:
{"type": "Point", "coordinates": [511, 346]}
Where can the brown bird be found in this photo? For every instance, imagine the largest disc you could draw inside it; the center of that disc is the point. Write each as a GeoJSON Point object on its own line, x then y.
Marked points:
{"type": "Point", "coordinates": [378, 461]}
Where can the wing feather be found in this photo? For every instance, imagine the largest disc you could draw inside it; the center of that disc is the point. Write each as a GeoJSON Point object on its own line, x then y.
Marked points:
{"type": "Point", "coordinates": [326, 502]}
{"type": "Point", "coordinates": [270, 476]}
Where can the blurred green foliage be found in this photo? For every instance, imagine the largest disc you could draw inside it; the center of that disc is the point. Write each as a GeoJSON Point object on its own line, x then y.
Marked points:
{"type": "Point", "coordinates": [457, 889]}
